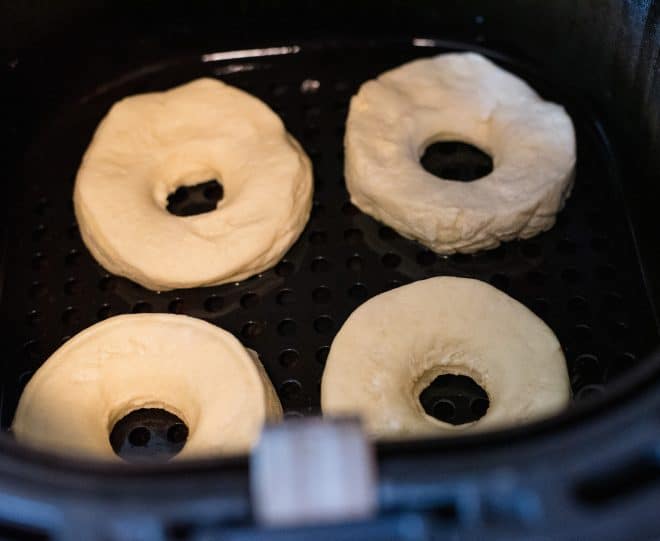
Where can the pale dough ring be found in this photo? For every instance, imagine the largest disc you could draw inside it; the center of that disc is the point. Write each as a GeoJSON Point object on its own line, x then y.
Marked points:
{"type": "Point", "coordinates": [394, 345]}
{"type": "Point", "coordinates": [150, 144]}
{"type": "Point", "coordinates": [184, 365]}
{"type": "Point", "coordinates": [458, 97]}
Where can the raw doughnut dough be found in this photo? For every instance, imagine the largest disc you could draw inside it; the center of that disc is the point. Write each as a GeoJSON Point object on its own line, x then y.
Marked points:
{"type": "Point", "coordinates": [178, 363]}
{"type": "Point", "coordinates": [394, 345]}
{"type": "Point", "coordinates": [150, 144]}
{"type": "Point", "coordinates": [458, 97]}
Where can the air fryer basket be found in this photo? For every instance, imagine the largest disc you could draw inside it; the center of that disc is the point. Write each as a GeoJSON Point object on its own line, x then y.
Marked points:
{"type": "Point", "coordinates": [590, 278]}
{"type": "Point", "coordinates": [583, 277]}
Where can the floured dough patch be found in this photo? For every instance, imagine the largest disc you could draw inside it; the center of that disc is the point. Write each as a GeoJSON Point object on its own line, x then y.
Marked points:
{"type": "Point", "coordinates": [178, 363]}
{"type": "Point", "coordinates": [394, 345]}
{"type": "Point", "coordinates": [458, 97]}
{"type": "Point", "coordinates": [150, 144]}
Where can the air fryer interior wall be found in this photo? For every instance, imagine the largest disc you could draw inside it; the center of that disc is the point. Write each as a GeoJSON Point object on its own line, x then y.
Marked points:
{"type": "Point", "coordinates": [592, 278]}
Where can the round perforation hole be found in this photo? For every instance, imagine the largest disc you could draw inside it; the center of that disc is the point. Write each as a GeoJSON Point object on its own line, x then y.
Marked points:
{"type": "Point", "coordinates": [37, 289]}
{"type": "Point", "coordinates": [454, 399]}
{"type": "Point", "coordinates": [39, 232]}
{"type": "Point", "coordinates": [72, 286]}
{"type": "Point", "coordinates": [252, 329]}
{"type": "Point", "coordinates": [33, 317]}
{"type": "Point", "coordinates": [589, 392]}
{"type": "Point", "coordinates": [139, 436]}
{"type": "Point", "coordinates": [141, 307]}
{"type": "Point", "coordinates": [290, 390]}
{"type": "Point", "coordinates": [582, 334]}
{"type": "Point", "coordinates": [214, 303]}
{"type": "Point", "coordinates": [249, 301]}
{"type": "Point", "coordinates": [322, 295]}
{"type": "Point", "coordinates": [454, 160]}
{"type": "Point", "coordinates": [324, 324]}
{"type": "Point", "coordinates": [72, 258]}
{"type": "Point", "coordinates": [39, 261]}
{"type": "Point", "coordinates": [176, 306]}
{"type": "Point", "coordinates": [71, 316]}
{"type": "Point", "coordinates": [286, 327]}
{"type": "Point", "coordinates": [104, 312]}
{"type": "Point", "coordinates": [196, 199]}
{"type": "Point", "coordinates": [320, 264]}
{"type": "Point", "coordinates": [289, 358]}
{"type": "Point", "coordinates": [32, 349]}
{"type": "Point", "coordinates": [358, 292]}
{"type": "Point", "coordinates": [354, 263]}
{"type": "Point", "coordinates": [586, 369]}
{"type": "Point", "coordinates": [148, 435]}
{"type": "Point", "coordinates": [578, 306]}
{"type": "Point", "coordinates": [286, 297]}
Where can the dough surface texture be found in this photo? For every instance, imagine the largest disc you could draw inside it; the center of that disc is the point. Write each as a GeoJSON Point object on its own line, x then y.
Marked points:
{"type": "Point", "coordinates": [458, 97]}
{"type": "Point", "coordinates": [395, 344]}
{"type": "Point", "coordinates": [178, 363]}
{"type": "Point", "coordinates": [150, 144]}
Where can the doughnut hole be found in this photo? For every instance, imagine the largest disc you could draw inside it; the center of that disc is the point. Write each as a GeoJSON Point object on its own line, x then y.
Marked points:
{"type": "Point", "coordinates": [196, 199]}
{"type": "Point", "coordinates": [455, 160]}
{"type": "Point", "coordinates": [148, 435]}
{"type": "Point", "coordinates": [454, 399]}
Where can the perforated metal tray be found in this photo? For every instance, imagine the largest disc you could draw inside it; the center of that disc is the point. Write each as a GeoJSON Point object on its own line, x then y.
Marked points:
{"type": "Point", "coordinates": [583, 277]}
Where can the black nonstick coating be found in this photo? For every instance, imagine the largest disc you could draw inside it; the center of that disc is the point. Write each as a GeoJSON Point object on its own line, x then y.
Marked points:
{"type": "Point", "coordinates": [583, 277]}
